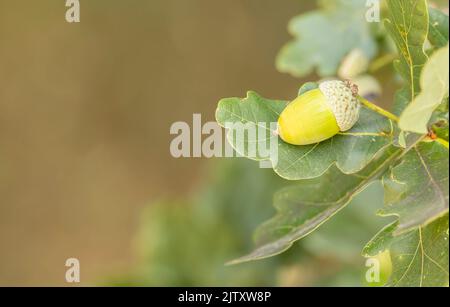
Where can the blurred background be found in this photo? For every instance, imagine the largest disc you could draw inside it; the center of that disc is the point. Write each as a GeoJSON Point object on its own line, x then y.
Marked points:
{"type": "Point", "coordinates": [85, 169]}
{"type": "Point", "coordinates": [85, 111]}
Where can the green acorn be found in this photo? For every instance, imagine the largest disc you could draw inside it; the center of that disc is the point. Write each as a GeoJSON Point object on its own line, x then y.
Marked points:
{"type": "Point", "coordinates": [320, 114]}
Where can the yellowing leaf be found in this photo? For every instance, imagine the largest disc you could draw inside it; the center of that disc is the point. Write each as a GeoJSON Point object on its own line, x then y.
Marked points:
{"type": "Point", "coordinates": [434, 83]}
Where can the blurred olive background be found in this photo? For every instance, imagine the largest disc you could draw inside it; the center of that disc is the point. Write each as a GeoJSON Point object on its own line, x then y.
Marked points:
{"type": "Point", "coordinates": [85, 111]}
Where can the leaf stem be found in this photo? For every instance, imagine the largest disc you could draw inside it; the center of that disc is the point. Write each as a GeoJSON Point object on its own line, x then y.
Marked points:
{"type": "Point", "coordinates": [378, 109]}
{"type": "Point", "coordinates": [393, 117]}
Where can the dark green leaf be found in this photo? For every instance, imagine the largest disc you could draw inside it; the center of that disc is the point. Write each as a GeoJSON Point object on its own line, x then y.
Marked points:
{"type": "Point", "coordinates": [324, 37]}
{"type": "Point", "coordinates": [434, 89]}
{"type": "Point", "coordinates": [303, 207]}
{"type": "Point", "coordinates": [438, 32]}
{"type": "Point", "coordinates": [381, 242]}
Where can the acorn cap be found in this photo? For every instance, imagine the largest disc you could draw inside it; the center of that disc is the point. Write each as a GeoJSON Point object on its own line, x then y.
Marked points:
{"type": "Point", "coordinates": [343, 102]}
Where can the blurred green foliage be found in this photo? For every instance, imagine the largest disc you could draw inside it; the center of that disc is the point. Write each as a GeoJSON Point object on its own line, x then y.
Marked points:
{"type": "Point", "coordinates": [187, 243]}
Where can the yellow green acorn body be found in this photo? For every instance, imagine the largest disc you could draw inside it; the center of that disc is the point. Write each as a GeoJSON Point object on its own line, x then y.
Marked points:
{"type": "Point", "coordinates": [320, 114]}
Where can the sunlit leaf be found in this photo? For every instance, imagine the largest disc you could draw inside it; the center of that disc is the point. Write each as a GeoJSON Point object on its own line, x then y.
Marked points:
{"type": "Point", "coordinates": [434, 84]}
